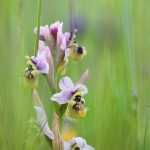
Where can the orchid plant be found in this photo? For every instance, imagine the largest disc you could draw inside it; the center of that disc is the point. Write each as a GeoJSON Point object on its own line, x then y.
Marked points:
{"type": "Point", "coordinates": [54, 49]}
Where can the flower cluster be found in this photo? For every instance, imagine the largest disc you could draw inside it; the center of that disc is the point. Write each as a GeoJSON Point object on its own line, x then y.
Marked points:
{"type": "Point", "coordinates": [53, 44]}
{"type": "Point", "coordinates": [65, 43]}
{"type": "Point", "coordinates": [66, 47]}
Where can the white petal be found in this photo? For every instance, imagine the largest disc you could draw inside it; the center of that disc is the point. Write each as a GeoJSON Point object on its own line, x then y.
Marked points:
{"type": "Point", "coordinates": [66, 145]}
{"type": "Point", "coordinates": [41, 62]}
{"type": "Point", "coordinates": [41, 116]}
{"type": "Point", "coordinates": [80, 142]}
{"type": "Point", "coordinates": [47, 131]}
{"type": "Point", "coordinates": [83, 87]}
{"type": "Point", "coordinates": [72, 142]}
{"type": "Point", "coordinates": [66, 84]}
{"type": "Point", "coordinates": [62, 97]}
{"type": "Point", "coordinates": [42, 121]}
{"type": "Point", "coordinates": [41, 47]}
{"type": "Point", "coordinates": [88, 147]}
{"type": "Point", "coordinates": [46, 33]}
{"type": "Point", "coordinates": [67, 52]}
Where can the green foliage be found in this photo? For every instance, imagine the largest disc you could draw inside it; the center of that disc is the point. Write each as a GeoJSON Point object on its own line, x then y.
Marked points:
{"type": "Point", "coordinates": [34, 136]}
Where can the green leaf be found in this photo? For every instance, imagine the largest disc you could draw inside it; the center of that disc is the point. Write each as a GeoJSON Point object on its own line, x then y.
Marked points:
{"type": "Point", "coordinates": [63, 109]}
{"type": "Point", "coordinates": [34, 136]}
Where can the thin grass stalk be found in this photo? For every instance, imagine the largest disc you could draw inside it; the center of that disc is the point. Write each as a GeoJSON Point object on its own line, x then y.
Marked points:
{"type": "Point", "coordinates": [129, 41]}
{"type": "Point", "coordinates": [38, 27]}
{"type": "Point", "coordinates": [146, 127]}
{"type": "Point", "coordinates": [130, 57]}
{"type": "Point", "coordinates": [36, 46]}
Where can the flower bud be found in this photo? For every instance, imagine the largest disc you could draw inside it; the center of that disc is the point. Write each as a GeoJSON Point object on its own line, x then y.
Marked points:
{"type": "Point", "coordinates": [62, 66]}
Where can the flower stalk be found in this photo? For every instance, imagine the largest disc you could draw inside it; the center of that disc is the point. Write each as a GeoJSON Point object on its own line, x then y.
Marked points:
{"type": "Point", "coordinates": [146, 126]}
{"type": "Point", "coordinates": [57, 142]}
{"type": "Point", "coordinates": [38, 27]}
{"type": "Point", "coordinates": [35, 50]}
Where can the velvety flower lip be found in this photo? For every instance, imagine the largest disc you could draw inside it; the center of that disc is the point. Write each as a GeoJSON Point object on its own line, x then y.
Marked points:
{"type": "Point", "coordinates": [41, 62]}
{"type": "Point", "coordinates": [79, 142]}
{"type": "Point", "coordinates": [67, 90]}
{"type": "Point", "coordinates": [42, 121]}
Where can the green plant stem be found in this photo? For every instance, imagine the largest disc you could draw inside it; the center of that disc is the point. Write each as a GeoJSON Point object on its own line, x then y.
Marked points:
{"type": "Point", "coordinates": [36, 47]}
{"type": "Point", "coordinates": [38, 27]}
{"type": "Point", "coordinates": [30, 102]}
{"type": "Point", "coordinates": [57, 107]}
{"type": "Point", "coordinates": [146, 127]}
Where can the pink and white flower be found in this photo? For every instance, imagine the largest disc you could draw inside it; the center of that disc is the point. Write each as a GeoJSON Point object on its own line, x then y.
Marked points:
{"type": "Point", "coordinates": [79, 143]}
{"type": "Point", "coordinates": [55, 30]}
{"type": "Point", "coordinates": [44, 59]}
{"type": "Point", "coordinates": [41, 62]}
{"type": "Point", "coordinates": [54, 34]}
{"type": "Point", "coordinates": [68, 89]}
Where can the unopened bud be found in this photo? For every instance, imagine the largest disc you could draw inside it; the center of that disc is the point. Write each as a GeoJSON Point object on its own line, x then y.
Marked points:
{"type": "Point", "coordinates": [62, 66]}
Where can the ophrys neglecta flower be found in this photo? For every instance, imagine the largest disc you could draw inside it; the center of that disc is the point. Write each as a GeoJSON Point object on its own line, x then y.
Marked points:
{"type": "Point", "coordinates": [71, 94]}
{"type": "Point", "coordinates": [77, 144]}
{"type": "Point", "coordinates": [68, 89]}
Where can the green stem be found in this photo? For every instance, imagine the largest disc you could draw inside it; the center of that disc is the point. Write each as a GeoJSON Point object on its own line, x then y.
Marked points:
{"type": "Point", "coordinates": [36, 48]}
{"type": "Point", "coordinates": [56, 105]}
{"type": "Point", "coordinates": [146, 127]}
{"type": "Point", "coordinates": [30, 102]}
{"type": "Point", "coordinates": [57, 109]}
{"type": "Point", "coordinates": [38, 27]}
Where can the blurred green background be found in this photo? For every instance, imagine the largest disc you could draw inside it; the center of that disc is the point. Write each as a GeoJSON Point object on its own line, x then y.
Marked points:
{"type": "Point", "coordinates": [116, 34]}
